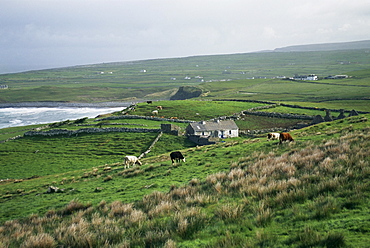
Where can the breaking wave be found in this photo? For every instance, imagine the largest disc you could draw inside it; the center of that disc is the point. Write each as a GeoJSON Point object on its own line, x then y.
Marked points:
{"type": "Point", "coordinates": [24, 116]}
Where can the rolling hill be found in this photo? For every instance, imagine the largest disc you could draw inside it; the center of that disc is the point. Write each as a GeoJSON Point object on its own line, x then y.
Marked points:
{"type": "Point", "coordinates": [159, 79]}
{"type": "Point", "coordinates": [364, 44]}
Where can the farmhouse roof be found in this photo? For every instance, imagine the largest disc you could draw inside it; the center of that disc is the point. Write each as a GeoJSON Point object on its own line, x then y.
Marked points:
{"type": "Point", "coordinates": [214, 125]}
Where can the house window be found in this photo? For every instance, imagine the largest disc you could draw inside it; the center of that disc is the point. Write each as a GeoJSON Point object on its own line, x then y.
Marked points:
{"type": "Point", "coordinates": [229, 131]}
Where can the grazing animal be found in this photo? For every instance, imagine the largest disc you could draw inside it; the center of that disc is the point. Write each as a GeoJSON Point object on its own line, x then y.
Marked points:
{"type": "Point", "coordinates": [285, 137]}
{"type": "Point", "coordinates": [273, 136]}
{"type": "Point", "coordinates": [159, 107]}
{"type": "Point", "coordinates": [155, 112]}
{"type": "Point", "coordinates": [149, 102]}
{"type": "Point", "coordinates": [177, 157]}
{"type": "Point", "coordinates": [131, 160]}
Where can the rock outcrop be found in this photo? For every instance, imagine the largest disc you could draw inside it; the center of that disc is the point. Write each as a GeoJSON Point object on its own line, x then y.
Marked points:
{"type": "Point", "coordinates": [186, 92]}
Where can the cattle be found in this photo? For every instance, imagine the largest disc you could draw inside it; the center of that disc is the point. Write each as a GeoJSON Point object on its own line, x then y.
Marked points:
{"type": "Point", "coordinates": [159, 107]}
{"type": "Point", "coordinates": [285, 137]}
{"type": "Point", "coordinates": [155, 112]}
{"type": "Point", "coordinates": [131, 160]}
{"type": "Point", "coordinates": [149, 102]}
{"type": "Point", "coordinates": [273, 136]}
{"type": "Point", "coordinates": [177, 157]}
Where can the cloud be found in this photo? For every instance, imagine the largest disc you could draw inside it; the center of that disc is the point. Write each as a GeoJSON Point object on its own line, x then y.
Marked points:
{"type": "Point", "coordinates": [69, 32]}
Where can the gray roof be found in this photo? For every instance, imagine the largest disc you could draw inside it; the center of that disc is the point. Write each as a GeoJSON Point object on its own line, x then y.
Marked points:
{"type": "Point", "coordinates": [214, 126]}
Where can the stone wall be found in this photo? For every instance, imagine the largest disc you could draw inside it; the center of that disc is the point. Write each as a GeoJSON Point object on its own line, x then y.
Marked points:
{"type": "Point", "coordinates": [142, 117]}
{"type": "Point", "coordinates": [90, 130]}
{"type": "Point", "coordinates": [67, 132]}
{"type": "Point", "coordinates": [278, 115]}
{"type": "Point", "coordinates": [291, 106]}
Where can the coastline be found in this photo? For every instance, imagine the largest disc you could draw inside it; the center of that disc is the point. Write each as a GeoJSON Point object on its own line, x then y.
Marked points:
{"type": "Point", "coordinates": [65, 104]}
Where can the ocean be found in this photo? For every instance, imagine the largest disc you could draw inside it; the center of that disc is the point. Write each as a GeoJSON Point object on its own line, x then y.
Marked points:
{"type": "Point", "coordinates": [24, 116]}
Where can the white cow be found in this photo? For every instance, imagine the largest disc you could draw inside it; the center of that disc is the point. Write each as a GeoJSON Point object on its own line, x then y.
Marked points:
{"type": "Point", "coordinates": [131, 160]}
{"type": "Point", "coordinates": [273, 136]}
{"type": "Point", "coordinates": [155, 112]}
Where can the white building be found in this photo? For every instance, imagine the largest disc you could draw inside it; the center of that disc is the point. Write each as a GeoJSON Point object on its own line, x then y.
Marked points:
{"type": "Point", "coordinates": [304, 77]}
{"type": "Point", "coordinates": [217, 129]}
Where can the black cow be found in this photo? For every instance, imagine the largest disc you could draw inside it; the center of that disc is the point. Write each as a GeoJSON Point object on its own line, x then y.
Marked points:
{"type": "Point", "coordinates": [177, 156]}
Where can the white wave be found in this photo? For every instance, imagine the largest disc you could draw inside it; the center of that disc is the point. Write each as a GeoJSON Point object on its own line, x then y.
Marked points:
{"type": "Point", "coordinates": [16, 122]}
{"type": "Point", "coordinates": [11, 117]}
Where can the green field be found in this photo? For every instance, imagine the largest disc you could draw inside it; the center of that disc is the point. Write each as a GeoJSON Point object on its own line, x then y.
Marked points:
{"type": "Point", "coordinates": [126, 82]}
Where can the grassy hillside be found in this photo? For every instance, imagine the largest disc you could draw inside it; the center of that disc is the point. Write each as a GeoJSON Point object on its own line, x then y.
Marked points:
{"type": "Point", "coordinates": [40, 156]}
{"type": "Point", "coordinates": [242, 192]}
{"type": "Point", "coordinates": [159, 79]}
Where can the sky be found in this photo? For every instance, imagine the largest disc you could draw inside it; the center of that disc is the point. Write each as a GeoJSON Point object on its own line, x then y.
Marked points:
{"type": "Point", "coordinates": [42, 34]}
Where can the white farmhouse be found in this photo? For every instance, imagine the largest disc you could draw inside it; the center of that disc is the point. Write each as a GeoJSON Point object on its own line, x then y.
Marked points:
{"type": "Point", "coordinates": [216, 129]}
{"type": "Point", "coordinates": [310, 77]}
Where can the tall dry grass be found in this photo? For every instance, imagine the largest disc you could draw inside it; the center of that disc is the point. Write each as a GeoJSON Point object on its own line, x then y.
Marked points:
{"type": "Point", "coordinates": [230, 212]}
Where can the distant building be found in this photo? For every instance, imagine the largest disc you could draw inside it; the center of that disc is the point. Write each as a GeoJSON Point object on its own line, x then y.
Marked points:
{"type": "Point", "coordinates": [310, 77]}
{"type": "Point", "coordinates": [4, 87]}
{"type": "Point", "coordinates": [337, 77]}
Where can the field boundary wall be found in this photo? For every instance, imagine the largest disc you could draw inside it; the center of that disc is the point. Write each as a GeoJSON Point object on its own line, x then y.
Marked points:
{"type": "Point", "coordinates": [90, 130]}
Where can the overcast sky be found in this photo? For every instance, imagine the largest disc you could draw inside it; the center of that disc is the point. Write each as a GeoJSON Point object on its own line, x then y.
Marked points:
{"type": "Point", "coordinates": [38, 34]}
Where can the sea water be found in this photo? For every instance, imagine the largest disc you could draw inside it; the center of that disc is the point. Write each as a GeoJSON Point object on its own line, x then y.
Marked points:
{"type": "Point", "coordinates": [23, 116]}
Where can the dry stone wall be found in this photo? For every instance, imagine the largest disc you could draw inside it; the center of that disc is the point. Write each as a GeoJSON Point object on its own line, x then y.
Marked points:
{"type": "Point", "coordinates": [278, 115]}
{"type": "Point", "coordinates": [90, 130]}
{"type": "Point", "coordinates": [120, 117]}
